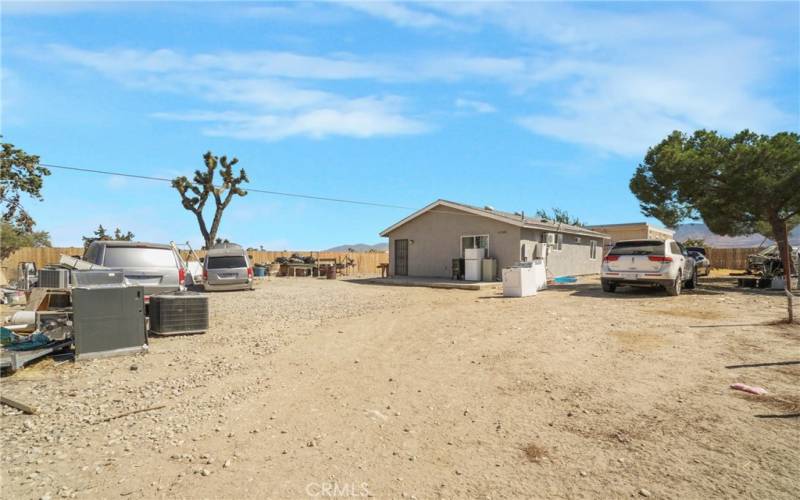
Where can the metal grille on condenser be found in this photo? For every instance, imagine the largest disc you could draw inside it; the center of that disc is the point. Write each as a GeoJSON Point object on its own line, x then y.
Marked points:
{"type": "Point", "coordinates": [53, 278]}
{"type": "Point", "coordinates": [181, 312]}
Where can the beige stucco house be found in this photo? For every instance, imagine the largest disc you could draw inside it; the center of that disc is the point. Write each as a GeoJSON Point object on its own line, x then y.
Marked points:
{"type": "Point", "coordinates": [632, 231]}
{"type": "Point", "coordinates": [426, 242]}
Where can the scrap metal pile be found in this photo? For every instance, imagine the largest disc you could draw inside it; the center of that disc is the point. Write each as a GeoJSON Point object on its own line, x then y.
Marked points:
{"type": "Point", "coordinates": [86, 311]}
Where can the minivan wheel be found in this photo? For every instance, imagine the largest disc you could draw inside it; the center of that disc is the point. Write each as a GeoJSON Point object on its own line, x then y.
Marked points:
{"type": "Point", "coordinates": [675, 288]}
{"type": "Point", "coordinates": [608, 287]}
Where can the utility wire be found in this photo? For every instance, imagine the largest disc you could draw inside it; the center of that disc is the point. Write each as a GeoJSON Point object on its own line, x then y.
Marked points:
{"type": "Point", "coordinates": [254, 190]}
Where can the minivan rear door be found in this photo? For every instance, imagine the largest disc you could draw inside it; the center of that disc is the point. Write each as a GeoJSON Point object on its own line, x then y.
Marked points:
{"type": "Point", "coordinates": [636, 256]}
{"type": "Point", "coordinates": [226, 269]}
{"type": "Point", "coordinates": [155, 269]}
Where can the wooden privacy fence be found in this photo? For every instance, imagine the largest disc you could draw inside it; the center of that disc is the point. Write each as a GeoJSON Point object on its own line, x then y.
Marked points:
{"type": "Point", "coordinates": [730, 258]}
{"type": "Point", "coordinates": [365, 262]}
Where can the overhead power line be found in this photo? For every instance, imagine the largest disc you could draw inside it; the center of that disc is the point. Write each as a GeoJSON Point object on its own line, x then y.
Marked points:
{"type": "Point", "coordinates": [253, 190]}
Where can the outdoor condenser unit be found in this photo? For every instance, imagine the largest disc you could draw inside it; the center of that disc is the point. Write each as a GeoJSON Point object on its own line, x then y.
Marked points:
{"type": "Point", "coordinates": [53, 277]}
{"type": "Point", "coordinates": [541, 251]}
{"type": "Point", "coordinates": [108, 321]}
{"type": "Point", "coordinates": [179, 313]}
{"type": "Point", "coordinates": [98, 277]}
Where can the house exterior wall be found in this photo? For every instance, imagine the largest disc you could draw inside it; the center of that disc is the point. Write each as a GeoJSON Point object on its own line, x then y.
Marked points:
{"type": "Point", "coordinates": [574, 258]}
{"type": "Point", "coordinates": [642, 231]}
{"type": "Point", "coordinates": [436, 237]}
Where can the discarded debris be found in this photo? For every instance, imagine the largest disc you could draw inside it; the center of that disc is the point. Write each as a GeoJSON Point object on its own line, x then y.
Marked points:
{"type": "Point", "coordinates": [751, 389]}
{"type": "Point", "coordinates": [28, 410]}
{"type": "Point", "coordinates": [132, 412]}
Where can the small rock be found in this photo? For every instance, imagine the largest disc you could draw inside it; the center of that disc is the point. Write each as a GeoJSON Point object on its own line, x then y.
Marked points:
{"type": "Point", "coordinates": [227, 463]}
{"type": "Point", "coordinates": [134, 368]}
{"type": "Point", "coordinates": [644, 492]}
{"type": "Point", "coordinates": [584, 473]}
{"type": "Point", "coordinates": [205, 472]}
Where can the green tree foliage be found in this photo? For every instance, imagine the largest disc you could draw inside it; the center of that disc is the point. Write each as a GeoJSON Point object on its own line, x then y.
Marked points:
{"type": "Point", "coordinates": [100, 234]}
{"type": "Point", "coordinates": [737, 185]}
{"type": "Point", "coordinates": [559, 215]}
{"type": "Point", "coordinates": [13, 239]}
{"type": "Point", "coordinates": [691, 242]}
{"type": "Point", "coordinates": [195, 193]}
{"type": "Point", "coordinates": [20, 173]}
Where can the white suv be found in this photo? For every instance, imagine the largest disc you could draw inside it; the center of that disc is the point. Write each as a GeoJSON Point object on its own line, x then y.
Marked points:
{"type": "Point", "coordinates": [648, 263]}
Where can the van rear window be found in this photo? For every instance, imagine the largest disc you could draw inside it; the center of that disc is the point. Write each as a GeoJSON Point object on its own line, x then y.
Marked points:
{"type": "Point", "coordinates": [644, 247]}
{"type": "Point", "coordinates": [226, 262]}
{"type": "Point", "coordinates": [139, 257]}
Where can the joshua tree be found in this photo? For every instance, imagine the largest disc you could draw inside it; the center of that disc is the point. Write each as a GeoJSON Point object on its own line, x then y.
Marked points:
{"type": "Point", "coordinates": [195, 193]}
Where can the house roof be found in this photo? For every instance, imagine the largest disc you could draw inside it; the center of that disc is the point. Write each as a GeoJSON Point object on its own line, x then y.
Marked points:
{"type": "Point", "coordinates": [632, 224]}
{"type": "Point", "coordinates": [509, 218]}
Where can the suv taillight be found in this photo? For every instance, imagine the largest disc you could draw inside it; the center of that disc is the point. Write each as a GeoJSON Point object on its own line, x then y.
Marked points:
{"type": "Point", "coordinates": [659, 258]}
{"type": "Point", "coordinates": [249, 272]}
{"type": "Point", "coordinates": [611, 258]}
{"type": "Point", "coordinates": [181, 275]}
{"type": "Point", "coordinates": [205, 274]}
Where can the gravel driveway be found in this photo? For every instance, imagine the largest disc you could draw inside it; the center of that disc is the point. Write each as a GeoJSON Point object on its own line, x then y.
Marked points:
{"type": "Point", "coordinates": [310, 387]}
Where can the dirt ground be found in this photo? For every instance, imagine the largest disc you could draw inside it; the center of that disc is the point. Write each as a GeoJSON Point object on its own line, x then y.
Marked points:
{"type": "Point", "coordinates": [316, 388]}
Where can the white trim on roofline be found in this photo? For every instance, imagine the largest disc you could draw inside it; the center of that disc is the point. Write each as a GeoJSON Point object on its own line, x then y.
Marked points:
{"type": "Point", "coordinates": [498, 216]}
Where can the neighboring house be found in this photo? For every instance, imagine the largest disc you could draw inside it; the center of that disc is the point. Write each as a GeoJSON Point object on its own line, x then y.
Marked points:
{"type": "Point", "coordinates": [632, 231]}
{"type": "Point", "coordinates": [426, 242]}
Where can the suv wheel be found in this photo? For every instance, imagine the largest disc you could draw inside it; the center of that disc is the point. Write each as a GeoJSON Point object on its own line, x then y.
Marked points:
{"type": "Point", "coordinates": [692, 283]}
{"type": "Point", "coordinates": [675, 288]}
{"type": "Point", "coordinates": [608, 287]}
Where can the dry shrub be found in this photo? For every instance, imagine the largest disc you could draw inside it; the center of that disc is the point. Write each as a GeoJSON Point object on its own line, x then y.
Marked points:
{"type": "Point", "coordinates": [534, 452]}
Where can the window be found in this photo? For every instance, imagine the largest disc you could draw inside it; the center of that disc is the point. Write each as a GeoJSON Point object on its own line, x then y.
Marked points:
{"type": "Point", "coordinates": [559, 241]}
{"type": "Point", "coordinates": [592, 249]}
{"type": "Point", "coordinates": [226, 262]}
{"type": "Point", "coordinates": [674, 248]}
{"type": "Point", "coordinates": [474, 241]}
{"type": "Point", "coordinates": [139, 257]}
{"type": "Point", "coordinates": [639, 247]}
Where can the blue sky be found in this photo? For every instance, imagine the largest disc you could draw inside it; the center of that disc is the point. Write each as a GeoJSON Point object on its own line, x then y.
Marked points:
{"type": "Point", "coordinates": [520, 106]}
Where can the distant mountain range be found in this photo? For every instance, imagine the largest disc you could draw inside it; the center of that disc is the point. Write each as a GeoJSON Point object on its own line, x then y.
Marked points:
{"type": "Point", "coordinates": [684, 232]}
{"type": "Point", "coordinates": [701, 232]}
{"type": "Point", "coordinates": [359, 247]}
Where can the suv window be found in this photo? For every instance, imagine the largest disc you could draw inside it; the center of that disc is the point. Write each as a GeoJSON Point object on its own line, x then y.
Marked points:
{"type": "Point", "coordinates": [226, 262]}
{"type": "Point", "coordinates": [139, 257]}
{"type": "Point", "coordinates": [644, 247]}
{"type": "Point", "coordinates": [674, 248]}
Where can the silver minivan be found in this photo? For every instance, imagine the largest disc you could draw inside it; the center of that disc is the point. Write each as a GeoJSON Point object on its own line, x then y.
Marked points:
{"type": "Point", "coordinates": [156, 267]}
{"type": "Point", "coordinates": [227, 267]}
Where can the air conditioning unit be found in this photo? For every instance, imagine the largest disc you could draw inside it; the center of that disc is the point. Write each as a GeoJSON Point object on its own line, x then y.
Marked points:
{"type": "Point", "coordinates": [53, 277]}
{"type": "Point", "coordinates": [541, 251]}
{"type": "Point", "coordinates": [551, 239]}
{"type": "Point", "coordinates": [179, 313]}
{"type": "Point", "coordinates": [98, 277]}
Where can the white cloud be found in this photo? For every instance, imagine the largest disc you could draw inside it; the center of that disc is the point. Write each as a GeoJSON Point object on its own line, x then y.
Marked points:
{"type": "Point", "coordinates": [264, 99]}
{"type": "Point", "coordinates": [619, 81]}
{"type": "Point", "coordinates": [400, 14]}
{"type": "Point", "coordinates": [474, 105]}
{"type": "Point", "coordinates": [361, 118]}
{"type": "Point", "coordinates": [608, 78]}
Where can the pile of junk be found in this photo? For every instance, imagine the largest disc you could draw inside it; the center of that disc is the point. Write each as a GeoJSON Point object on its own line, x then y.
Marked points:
{"type": "Point", "coordinates": [80, 310]}
{"type": "Point", "coordinates": [765, 268]}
